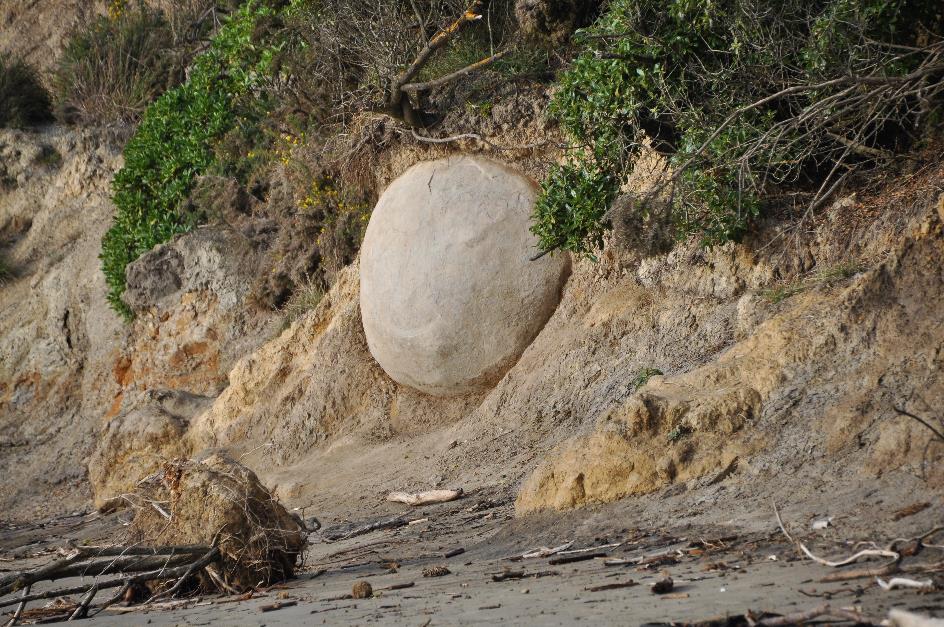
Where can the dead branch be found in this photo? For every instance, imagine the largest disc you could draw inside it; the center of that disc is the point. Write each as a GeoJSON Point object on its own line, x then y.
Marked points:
{"type": "Point", "coordinates": [211, 556]}
{"type": "Point", "coordinates": [547, 552]}
{"type": "Point", "coordinates": [863, 573]}
{"type": "Point", "coordinates": [155, 566]}
{"type": "Point", "coordinates": [82, 610]}
{"type": "Point", "coordinates": [70, 568]}
{"type": "Point", "coordinates": [475, 136]}
{"type": "Point", "coordinates": [392, 523]}
{"type": "Point", "coordinates": [904, 582]}
{"type": "Point", "coordinates": [904, 412]}
{"type": "Point", "coordinates": [834, 564]}
{"type": "Point", "coordinates": [448, 78]}
{"type": "Point", "coordinates": [19, 608]}
{"type": "Point", "coordinates": [438, 40]}
{"type": "Point", "coordinates": [801, 618]}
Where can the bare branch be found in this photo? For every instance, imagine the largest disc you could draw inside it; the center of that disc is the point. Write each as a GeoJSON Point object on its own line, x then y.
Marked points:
{"type": "Point", "coordinates": [448, 78]}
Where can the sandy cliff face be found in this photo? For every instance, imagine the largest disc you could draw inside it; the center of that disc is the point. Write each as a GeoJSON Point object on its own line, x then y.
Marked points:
{"type": "Point", "coordinates": [782, 357]}
{"type": "Point", "coordinates": [763, 376]}
{"type": "Point", "coordinates": [58, 338]}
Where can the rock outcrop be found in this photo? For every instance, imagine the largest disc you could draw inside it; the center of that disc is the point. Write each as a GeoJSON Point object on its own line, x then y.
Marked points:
{"type": "Point", "coordinates": [449, 295]}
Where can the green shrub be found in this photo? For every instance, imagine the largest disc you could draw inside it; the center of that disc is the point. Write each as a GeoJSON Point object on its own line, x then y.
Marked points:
{"type": "Point", "coordinates": [176, 142]}
{"type": "Point", "coordinates": [745, 98]}
{"type": "Point", "coordinates": [113, 68]}
{"type": "Point", "coordinates": [23, 99]}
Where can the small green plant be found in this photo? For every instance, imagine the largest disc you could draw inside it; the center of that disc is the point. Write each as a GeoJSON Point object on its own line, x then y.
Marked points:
{"type": "Point", "coordinates": [176, 142]}
{"type": "Point", "coordinates": [305, 298]}
{"type": "Point", "coordinates": [679, 432]}
{"type": "Point", "coordinates": [49, 157]}
{"type": "Point", "coordinates": [779, 294]}
{"type": "Point", "coordinates": [23, 99]}
{"type": "Point", "coordinates": [643, 376]}
{"type": "Point", "coordinates": [824, 277]}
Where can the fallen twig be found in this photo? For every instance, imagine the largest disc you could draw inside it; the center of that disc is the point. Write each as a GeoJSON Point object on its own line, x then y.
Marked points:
{"type": "Point", "coordinates": [904, 582]}
{"type": "Point", "coordinates": [547, 552]}
{"type": "Point", "coordinates": [575, 558]}
{"type": "Point", "coordinates": [477, 137]}
{"type": "Point", "coordinates": [19, 608]}
{"type": "Point", "coordinates": [862, 573]}
{"type": "Point", "coordinates": [211, 556]}
{"type": "Point", "coordinates": [612, 586]}
{"type": "Point", "coordinates": [82, 610]}
{"type": "Point", "coordinates": [833, 564]}
{"type": "Point", "coordinates": [592, 548]}
{"type": "Point", "coordinates": [392, 523]}
{"type": "Point", "coordinates": [396, 586]}
{"type": "Point", "coordinates": [797, 618]}
{"type": "Point", "coordinates": [277, 606]}
{"type": "Point", "coordinates": [72, 566]}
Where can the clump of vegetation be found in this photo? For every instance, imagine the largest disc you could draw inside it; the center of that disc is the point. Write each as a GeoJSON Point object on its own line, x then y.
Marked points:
{"type": "Point", "coordinates": [113, 68]}
{"type": "Point", "coordinates": [643, 376]}
{"type": "Point", "coordinates": [23, 99]}
{"type": "Point", "coordinates": [825, 277]}
{"type": "Point", "coordinates": [746, 99]}
{"type": "Point", "coordinates": [305, 298]}
{"type": "Point", "coordinates": [177, 139]}
{"type": "Point", "coordinates": [327, 224]}
{"type": "Point", "coordinates": [352, 56]}
{"type": "Point", "coordinates": [679, 432]}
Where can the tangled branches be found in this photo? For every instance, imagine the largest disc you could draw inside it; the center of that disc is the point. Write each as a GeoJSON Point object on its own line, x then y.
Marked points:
{"type": "Point", "coordinates": [747, 99]}
{"type": "Point", "coordinates": [137, 565]}
{"type": "Point", "coordinates": [381, 56]}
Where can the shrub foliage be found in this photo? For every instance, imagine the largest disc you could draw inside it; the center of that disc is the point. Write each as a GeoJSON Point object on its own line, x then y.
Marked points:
{"type": "Point", "coordinates": [745, 98]}
{"type": "Point", "coordinates": [176, 142]}
{"type": "Point", "coordinates": [23, 99]}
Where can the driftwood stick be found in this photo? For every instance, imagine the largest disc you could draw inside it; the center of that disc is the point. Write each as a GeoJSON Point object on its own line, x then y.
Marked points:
{"type": "Point", "coordinates": [129, 559]}
{"type": "Point", "coordinates": [392, 523]}
{"type": "Point", "coordinates": [105, 551]}
{"type": "Point", "coordinates": [211, 556]}
{"type": "Point", "coordinates": [82, 610]}
{"type": "Point", "coordinates": [162, 572]}
{"type": "Point", "coordinates": [96, 568]}
{"type": "Point", "coordinates": [19, 608]}
{"type": "Point", "coordinates": [797, 618]}
{"type": "Point", "coordinates": [833, 564]}
{"type": "Point", "coordinates": [114, 599]}
{"type": "Point", "coordinates": [861, 573]}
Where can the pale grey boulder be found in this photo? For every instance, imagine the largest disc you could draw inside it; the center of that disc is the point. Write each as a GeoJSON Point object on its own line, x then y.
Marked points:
{"type": "Point", "coordinates": [449, 295]}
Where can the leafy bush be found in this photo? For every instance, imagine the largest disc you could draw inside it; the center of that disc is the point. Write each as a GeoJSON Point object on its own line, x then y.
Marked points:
{"type": "Point", "coordinates": [745, 98]}
{"type": "Point", "coordinates": [23, 99]}
{"type": "Point", "coordinates": [112, 69]}
{"type": "Point", "coordinates": [176, 142]}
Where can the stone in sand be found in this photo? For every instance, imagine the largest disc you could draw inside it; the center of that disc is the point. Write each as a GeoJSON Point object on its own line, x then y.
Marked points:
{"type": "Point", "coordinates": [449, 296]}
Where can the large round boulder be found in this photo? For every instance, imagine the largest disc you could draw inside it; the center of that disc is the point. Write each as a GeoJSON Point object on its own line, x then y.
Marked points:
{"type": "Point", "coordinates": [449, 295]}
